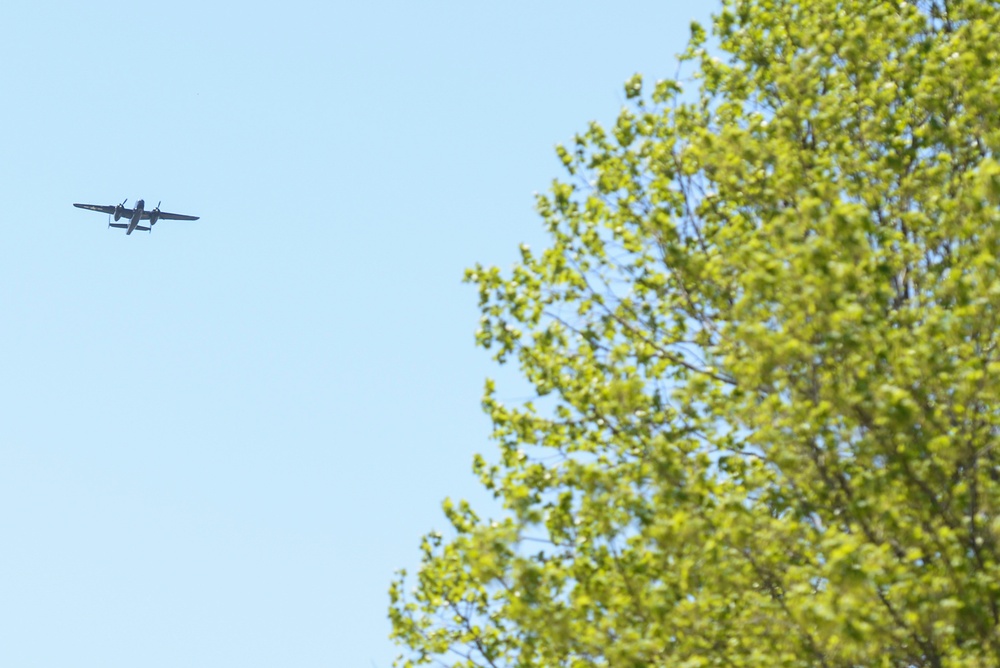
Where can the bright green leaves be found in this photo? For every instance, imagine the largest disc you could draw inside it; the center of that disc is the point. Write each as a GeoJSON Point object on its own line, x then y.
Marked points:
{"type": "Point", "coordinates": [633, 87]}
{"type": "Point", "coordinates": [765, 331]}
{"type": "Point", "coordinates": [665, 91]}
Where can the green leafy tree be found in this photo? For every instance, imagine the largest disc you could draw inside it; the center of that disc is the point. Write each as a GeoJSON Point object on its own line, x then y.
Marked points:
{"type": "Point", "coordinates": [765, 332]}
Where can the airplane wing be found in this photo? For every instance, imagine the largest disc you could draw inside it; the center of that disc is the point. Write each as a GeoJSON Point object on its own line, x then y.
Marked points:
{"type": "Point", "coordinates": [167, 216]}
{"type": "Point", "coordinates": [104, 209]}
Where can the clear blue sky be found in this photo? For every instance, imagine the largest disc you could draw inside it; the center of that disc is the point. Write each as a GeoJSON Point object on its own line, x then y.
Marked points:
{"type": "Point", "coordinates": [219, 440]}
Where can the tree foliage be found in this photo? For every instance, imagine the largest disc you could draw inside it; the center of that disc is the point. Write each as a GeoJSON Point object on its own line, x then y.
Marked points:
{"type": "Point", "coordinates": [765, 331]}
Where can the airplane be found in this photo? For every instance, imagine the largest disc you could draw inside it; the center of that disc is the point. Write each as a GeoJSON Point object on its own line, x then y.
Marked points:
{"type": "Point", "coordinates": [134, 215]}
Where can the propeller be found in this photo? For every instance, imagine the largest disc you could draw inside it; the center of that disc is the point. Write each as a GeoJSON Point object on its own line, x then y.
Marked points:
{"type": "Point", "coordinates": [153, 215]}
{"type": "Point", "coordinates": [118, 208]}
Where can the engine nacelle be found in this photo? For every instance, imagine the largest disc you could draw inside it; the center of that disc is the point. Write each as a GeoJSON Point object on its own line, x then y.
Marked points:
{"type": "Point", "coordinates": [153, 215]}
{"type": "Point", "coordinates": [118, 211]}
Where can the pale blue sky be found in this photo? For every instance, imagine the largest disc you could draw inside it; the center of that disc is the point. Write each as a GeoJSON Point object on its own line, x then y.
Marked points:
{"type": "Point", "coordinates": [220, 439]}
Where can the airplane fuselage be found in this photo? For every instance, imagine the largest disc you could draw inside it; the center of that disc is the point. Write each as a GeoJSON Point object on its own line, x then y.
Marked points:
{"type": "Point", "coordinates": [136, 216]}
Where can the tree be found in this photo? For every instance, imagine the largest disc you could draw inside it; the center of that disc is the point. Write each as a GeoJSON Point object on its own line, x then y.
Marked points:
{"type": "Point", "coordinates": [764, 341]}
